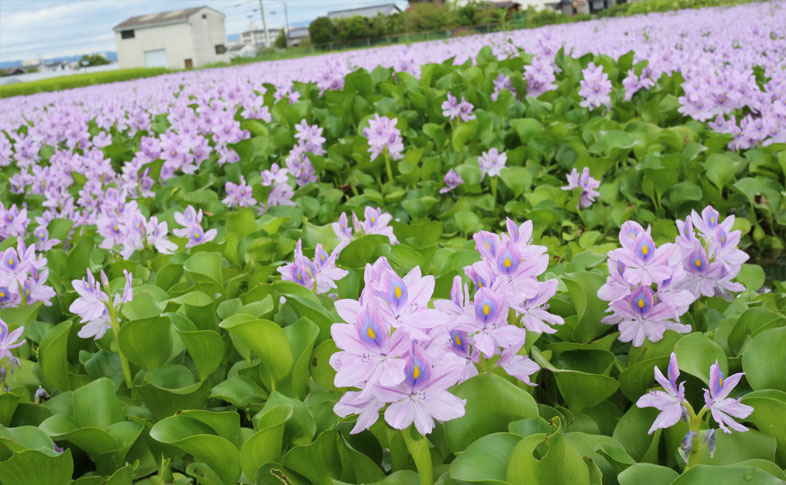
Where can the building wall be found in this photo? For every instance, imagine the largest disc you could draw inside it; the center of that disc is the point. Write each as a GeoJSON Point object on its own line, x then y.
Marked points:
{"type": "Point", "coordinates": [195, 40]}
{"type": "Point", "coordinates": [175, 38]}
{"type": "Point", "coordinates": [207, 33]}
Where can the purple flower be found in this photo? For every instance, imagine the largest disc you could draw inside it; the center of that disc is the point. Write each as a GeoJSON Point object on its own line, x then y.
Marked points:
{"type": "Point", "coordinates": [238, 195]}
{"type": "Point", "coordinates": [452, 109]}
{"type": "Point", "coordinates": [644, 263]}
{"type": "Point", "coordinates": [342, 230]}
{"type": "Point", "coordinates": [634, 83]}
{"type": "Point", "coordinates": [587, 184]}
{"type": "Point", "coordinates": [383, 136]}
{"type": "Point", "coordinates": [452, 180]}
{"type": "Point", "coordinates": [501, 83]}
{"type": "Point", "coordinates": [10, 340]}
{"type": "Point", "coordinates": [519, 366]}
{"type": "Point", "coordinates": [669, 401]}
{"type": "Point", "coordinates": [90, 306]}
{"type": "Point", "coordinates": [491, 163]}
{"type": "Point", "coordinates": [722, 407]}
{"type": "Point", "coordinates": [192, 230]}
{"type": "Point", "coordinates": [641, 317]}
{"type": "Point", "coordinates": [376, 222]}
{"type": "Point", "coordinates": [533, 312]}
{"type": "Point", "coordinates": [275, 175]}
{"type": "Point", "coordinates": [370, 354]}
{"type": "Point", "coordinates": [156, 236]}
{"type": "Point", "coordinates": [595, 87]}
{"type": "Point", "coordinates": [540, 77]}
{"type": "Point", "coordinates": [422, 397]}
{"type": "Point", "coordinates": [44, 243]}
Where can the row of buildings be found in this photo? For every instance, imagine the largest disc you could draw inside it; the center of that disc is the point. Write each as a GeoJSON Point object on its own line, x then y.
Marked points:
{"type": "Point", "coordinates": [194, 37]}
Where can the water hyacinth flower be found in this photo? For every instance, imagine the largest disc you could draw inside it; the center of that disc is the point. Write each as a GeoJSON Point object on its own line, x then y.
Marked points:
{"type": "Point", "coordinates": [492, 162]}
{"type": "Point", "coordinates": [10, 340]}
{"type": "Point", "coordinates": [588, 185]}
{"type": "Point", "coordinates": [674, 407]}
{"type": "Point", "coordinates": [722, 407]}
{"type": "Point", "coordinates": [595, 87]}
{"type": "Point", "coordinates": [423, 396]}
{"type": "Point", "coordinates": [191, 220]}
{"type": "Point", "coordinates": [238, 195]}
{"type": "Point", "coordinates": [376, 222]}
{"type": "Point", "coordinates": [452, 109]}
{"type": "Point", "coordinates": [93, 304]}
{"type": "Point", "coordinates": [384, 137]}
{"type": "Point", "coordinates": [452, 181]}
{"type": "Point", "coordinates": [320, 274]}
{"type": "Point", "coordinates": [669, 401]}
{"type": "Point", "coordinates": [540, 78]}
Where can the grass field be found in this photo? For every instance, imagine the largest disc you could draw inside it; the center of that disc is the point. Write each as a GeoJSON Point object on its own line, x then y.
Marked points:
{"type": "Point", "coordinates": [78, 80]}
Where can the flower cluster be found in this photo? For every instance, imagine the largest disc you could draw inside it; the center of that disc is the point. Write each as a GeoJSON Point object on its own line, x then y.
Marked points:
{"type": "Point", "coordinates": [191, 222]}
{"type": "Point", "coordinates": [452, 109]}
{"type": "Point", "coordinates": [384, 137]}
{"type": "Point", "coordinates": [238, 195]}
{"type": "Point", "coordinates": [595, 87]}
{"type": "Point", "coordinates": [642, 287]}
{"type": "Point", "coordinates": [376, 222]}
{"type": "Point", "coordinates": [491, 163]}
{"type": "Point", "coordinates": [673, 406]}
{"type": "Point", "coordinates": [10, 340]}
{"type": "Point", "coordinates": [501, 83]}
{"type": "Point", "coordinates": [398, 351]}
{"type": "Point", "coordinates": [14, 221]}
{"type": "Point", "coordinates": [709, 263]}
{"type": "Point", "coordinates": [23, 277]}
{"type": "Point", "coordinates": [310, 140]}
{"type": "Point", "coordinates": [634, 83]}
{"type": "Point", "coordinates": [280, 192]}
{"type": "Point", "coordinates": [94, 306]}
{"type": "Point", "coordinates": [319, 274]}
{"type": "Point", "coordinates": [587, 183]}
{"type": "Point", "coordinates": [124, 227]}
{"type": "Point", "coordinates": [540, 77]}
{"type": "Point", "coordinates": [649, 287]}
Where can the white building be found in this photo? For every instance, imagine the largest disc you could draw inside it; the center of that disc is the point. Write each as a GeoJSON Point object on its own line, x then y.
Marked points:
{"type": "Point", "coordinates": [256, 37]}
{"type": "Point", "coordinates": [176, 39]}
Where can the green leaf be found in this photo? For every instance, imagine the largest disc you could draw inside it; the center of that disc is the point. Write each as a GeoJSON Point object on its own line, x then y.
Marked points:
{"type": "Point", "coordinates": [769, 407]}
{"type": "Point", "coordinates": [201, 441]}
{"type": "Point", "coordinates": [463, 133]}
{"type": "Point", "coordinates": [752, 276]}
{"type": "Point", "coordinates": [492, 403]}
{"type": "Point", "coordinates": [329, 457]}
{"type": "Point", "coordinates": [718, 475]}
{"type": "Point", "coordinates": [720, 169]}
{"type": "Point", "coordinates": [583, 384]}
{"type": "Point", "coordinates": [696, 353]}
{"type": "Point", "coordinates": [33, 466]}
{"type": "Point", "coordinates": [264, 446]}
{"type": "Point", "coordinates": [583, 289]}
{"type": "Point", "coordinates": [546, 459]}
{"type": "Point", "coordinates": [143, 306]}
{"type": "Point", "coordinates": [242, 222]}
{"type": "Point", "coordinates": [485, 460]}
{"type": "Point", "coordinates": [366, 249]}
{"type": "Point", "coordinates": [647, 474]}
{"type": "Point", "coordinates": [526, 128]}
{"type": "Point", "coordinates": [95, 404]}
{"type": "Point", "coordinates": [206, 347]}
{"type": "Point", "coordinates": [53, 357]}
{"type": "Point", "coordinates": [206, 264]}
{"type": "Point", "coordinates": [301, 336]}
{"type": "Point", "coordinates": [266, 339]}
{"type": "Point", "coordinates": [146, 343]}
{"type": "Point", "coordinates": [517, 179]}
{"type": "Point", "coordinates": [764, 360]}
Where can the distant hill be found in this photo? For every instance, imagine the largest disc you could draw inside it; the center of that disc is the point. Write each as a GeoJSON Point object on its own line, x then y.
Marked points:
{"type": "Point", "coordinates": [111, 55]}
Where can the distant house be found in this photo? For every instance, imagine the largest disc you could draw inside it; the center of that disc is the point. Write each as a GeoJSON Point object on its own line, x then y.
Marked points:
{"type": "Point", "coordinates": [177, 39]}
{"type": "Point", "coordinates": [296, 36]}
{"type": "Point", "coordinates": [55, 66]}
{"type": "Point", "coordinates": [368, 12]}
{"type": "Point", "coordinates": [242, 50]}
{"type": "Point", "coordinates": [257, 37]}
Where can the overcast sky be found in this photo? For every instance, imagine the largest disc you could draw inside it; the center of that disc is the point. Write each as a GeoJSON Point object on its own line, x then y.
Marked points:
{"type": "Point", "coordinates": [52, 28]}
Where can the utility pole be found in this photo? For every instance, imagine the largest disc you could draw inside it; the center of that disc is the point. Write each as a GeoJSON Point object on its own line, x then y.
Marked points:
{"type": "Point", "coordinates": [264, 23]}
{"type": "Point", "coordinates": [286, 19]}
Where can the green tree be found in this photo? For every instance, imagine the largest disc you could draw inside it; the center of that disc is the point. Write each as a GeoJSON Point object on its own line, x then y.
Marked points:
{"type": "Point", "coordinates": [428, 16]}
{"type": "Point", "coordinates": [352, 28]}
{"type": "Point", "coordinates": [281, 40]}
{"type": "Point", "coordinates": [322, 30]}
{"type": "Point", "coordinates": [93, 60]}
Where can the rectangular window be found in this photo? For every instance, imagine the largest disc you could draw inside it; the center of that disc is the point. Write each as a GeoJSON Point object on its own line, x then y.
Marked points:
{"type": "Point", "coordinates": [220, 48]}
{"type": "Point", "coordinates": [126, 34]}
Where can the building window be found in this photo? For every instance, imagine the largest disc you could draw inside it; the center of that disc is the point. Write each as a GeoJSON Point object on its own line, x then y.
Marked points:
{"type": "Point", "coordinates": [126, 34]}
{"type": "Point", "coordinates": [220, 48]}
{"type": "Point", "coordinates": [204, 15]}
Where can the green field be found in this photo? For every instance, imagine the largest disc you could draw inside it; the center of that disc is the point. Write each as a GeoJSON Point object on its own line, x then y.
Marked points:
{"type": "Point", "coordinates": [78, 80]}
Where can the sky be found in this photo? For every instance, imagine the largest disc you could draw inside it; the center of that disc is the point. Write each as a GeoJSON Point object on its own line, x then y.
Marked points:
{"type": "Point", "coordinates": [52, 28]}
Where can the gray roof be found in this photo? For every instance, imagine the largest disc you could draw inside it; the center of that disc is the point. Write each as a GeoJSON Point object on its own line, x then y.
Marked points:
{"type": "Point", "coordinates": [385, 9]}
{"type": "Point", "coordinates": [297, 33]}
{"type": "Point", "coordinates": [160, 18]}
